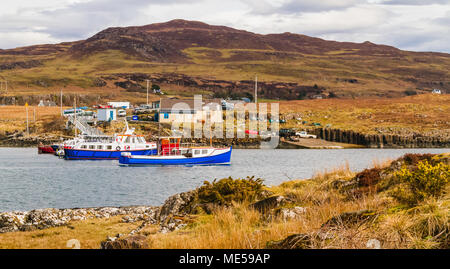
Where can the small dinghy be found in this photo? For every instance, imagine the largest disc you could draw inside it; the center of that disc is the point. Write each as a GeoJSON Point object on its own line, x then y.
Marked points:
{"type": "Point", "coordinates": [171, 152]}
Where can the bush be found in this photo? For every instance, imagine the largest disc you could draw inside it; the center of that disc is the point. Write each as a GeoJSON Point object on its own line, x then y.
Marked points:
{"type": "Point", "coordinates": [413, 159]}
{"type": "Point", "coordinates": [425, 181]}
{"type": "Point", "coordinates": [226, 190]}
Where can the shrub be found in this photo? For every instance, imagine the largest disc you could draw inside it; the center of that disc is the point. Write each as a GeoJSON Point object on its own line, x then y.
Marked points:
{"type": "Point", "coordinates": [227, 190]}
{"type": "Point", "coordinates": [423, 182]}
{"type": "Point", "coordinates": [369, 177]}
{"type": "Point", "coordinates": [413, 159]}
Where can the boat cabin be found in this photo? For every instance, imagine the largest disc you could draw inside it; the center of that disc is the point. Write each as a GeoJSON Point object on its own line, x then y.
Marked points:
{"type": "Point", "coordinates": [172, 146]}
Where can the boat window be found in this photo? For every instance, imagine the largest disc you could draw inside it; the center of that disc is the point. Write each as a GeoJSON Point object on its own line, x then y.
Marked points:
{"type": "Point", "coordinates": [91, 147]}
{"type": "Point", "coordinates": [109, 147]}
{"type": "Point", "coordinates": [127, 140]}
{"type": "Point", "coordinates": [83, 146]}
{"type": "Point", "coordinates": [99, 147]}
{"type": "Point", "coordinates": [133, 140]}
{"type": "Point", "coordinates": [197, 151]}
{"type": "Point", "coordinates": [147, 146]}
{"type": "Point", "coordinates": [204, 151]}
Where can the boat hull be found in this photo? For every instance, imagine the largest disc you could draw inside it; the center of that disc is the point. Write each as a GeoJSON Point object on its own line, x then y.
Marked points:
{"type": "Point", "coordinates": [46, 150]}
{"type": "Point", "coordinates": [77, 154]}
{"type": "Point", "coordinates": [222, 158]}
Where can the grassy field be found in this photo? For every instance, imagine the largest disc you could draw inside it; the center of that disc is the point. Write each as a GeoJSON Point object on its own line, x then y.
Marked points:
{"type": "Point", "coordinates": [424, 114]}
{"type": "Point", "coordinates": [90, 233]}
{"type": "Point", "coordinates": [374, 75]}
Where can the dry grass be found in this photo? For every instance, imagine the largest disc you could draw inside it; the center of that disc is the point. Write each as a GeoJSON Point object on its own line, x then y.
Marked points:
{"type": "Point", "coordinates": [421, 113]}
{"type": "Point", "coordinates": [88, 232]}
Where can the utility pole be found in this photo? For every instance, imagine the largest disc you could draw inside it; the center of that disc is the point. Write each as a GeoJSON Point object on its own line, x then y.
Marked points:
{"type": "Point", "coordinates": [256, 89]}
{"type": "Point", "coordinates": [26, 109]}
{"type": "Point", "coordinates": [147, 91]}
{"type": "Point", "coordinates": [61, 103]}
{"type": "Point", "coordinates": [34, 119]}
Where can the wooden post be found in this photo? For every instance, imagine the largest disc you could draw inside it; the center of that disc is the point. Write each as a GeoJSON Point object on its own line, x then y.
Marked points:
{"type": "Point", "coordinates": [147, 92]}
{"type": "Point", "coordinates": [34, 119]}
{"type": "Point", "coordinates": [256, 89]}
{"type": "Point", "coordinates": [26, 109]}
{"type": "Point", "coordinates": [61, 103]}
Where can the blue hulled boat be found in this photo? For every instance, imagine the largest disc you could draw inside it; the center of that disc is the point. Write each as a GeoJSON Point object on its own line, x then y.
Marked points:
{"type": "Point", "coordinates": [107, 147]}
{"type": "Point", "coordinates": [170, 152]}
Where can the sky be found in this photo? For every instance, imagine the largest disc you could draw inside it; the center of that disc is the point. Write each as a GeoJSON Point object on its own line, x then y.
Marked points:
{"type": "Point", "coordinates": [416, 25]}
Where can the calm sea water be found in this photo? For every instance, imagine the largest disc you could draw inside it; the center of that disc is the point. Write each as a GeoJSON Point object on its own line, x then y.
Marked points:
{"type": "Point", "coordinates": [29, 181]}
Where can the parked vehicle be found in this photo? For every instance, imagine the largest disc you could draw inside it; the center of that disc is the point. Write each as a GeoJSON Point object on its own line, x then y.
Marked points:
{"type": "Point", "coordinates": [122, 113]}
{"type": "Point", "coordinates": [304, 134]}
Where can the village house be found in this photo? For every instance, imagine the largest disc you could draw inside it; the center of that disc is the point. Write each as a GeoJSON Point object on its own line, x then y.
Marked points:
{"type": "Point", "coordinates": [184, 110]}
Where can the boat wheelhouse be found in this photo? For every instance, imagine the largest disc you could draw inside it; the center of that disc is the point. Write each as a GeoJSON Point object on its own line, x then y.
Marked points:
{"type": "Point", "coordinates": [172, 152]}
{"type": "Point", "coordinates": [107, 147]}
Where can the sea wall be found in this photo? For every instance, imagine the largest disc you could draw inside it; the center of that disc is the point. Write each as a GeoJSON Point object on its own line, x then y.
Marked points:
{"type": "Point", "coordinates": [381, 140]}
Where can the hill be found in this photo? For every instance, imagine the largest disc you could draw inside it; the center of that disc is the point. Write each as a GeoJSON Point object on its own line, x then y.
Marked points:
{"type": "Point", "coordinates": [187, 57]}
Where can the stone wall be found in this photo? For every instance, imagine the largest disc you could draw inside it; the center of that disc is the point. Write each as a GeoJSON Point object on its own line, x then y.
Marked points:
{"type": "Point", "coordinates": [381, 140]}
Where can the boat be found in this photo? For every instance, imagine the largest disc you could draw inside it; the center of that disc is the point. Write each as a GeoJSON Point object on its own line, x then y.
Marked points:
{"type": "Point", "coordinates": [49, 149]}
{"type": "Point", "coordinates": [172, 152]}
{"type": "Point", "coordinates": [103, 147]}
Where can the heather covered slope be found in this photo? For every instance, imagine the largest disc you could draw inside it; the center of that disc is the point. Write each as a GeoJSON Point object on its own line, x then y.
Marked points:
{"type": "Point", "coordinates": [218, 54]}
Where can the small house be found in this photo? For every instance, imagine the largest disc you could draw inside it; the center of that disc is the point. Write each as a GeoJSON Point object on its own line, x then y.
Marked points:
{"type": "Point", "coordinates": [106, 114]}
{"type": "Point", "coordinates": [185, 110]}
{"type": "Point", "coordinates": [436, 91]}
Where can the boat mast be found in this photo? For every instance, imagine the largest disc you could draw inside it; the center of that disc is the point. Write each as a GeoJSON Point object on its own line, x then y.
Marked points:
{"type": "Point", "coordinates": [75, 113]}
{"type": "Point", "coordinates": [256, 89]}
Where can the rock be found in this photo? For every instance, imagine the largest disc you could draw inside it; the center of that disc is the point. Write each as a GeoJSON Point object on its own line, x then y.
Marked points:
{"type": "Point", "coordinates": [129, 242]}
{"type": "Point", "coordinates": [270, 203]}
{"type": "Point", "coordinates": [11, 221]}
{"type": "Point", "coordinates": [178, 204]}
{"type": "Point", "coordinates": [295, 241]}
{"type": "Point", "coordinates": [52, 217]}
{"type": "Point", "coordinates": [350, 218]}
{"type": "Point", "coordinates": [172, 224]}
{"type": "Point", "coordinates": [290, 213]}
{"type": "Point", "coordinates": [345, 184]}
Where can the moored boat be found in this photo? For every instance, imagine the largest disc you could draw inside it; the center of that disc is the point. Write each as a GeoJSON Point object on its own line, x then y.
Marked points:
{"type": "Point", "coordinates": [45, 149]}
{"type": "Point", "coordinates": [107, 147]}
{"type": "Point", "coordinates": [171, 152]}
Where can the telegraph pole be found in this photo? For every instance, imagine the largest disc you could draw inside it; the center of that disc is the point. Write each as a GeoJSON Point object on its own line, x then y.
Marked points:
{"type": "Point", "coordinates": [61, 103]}
{"type": "Point", "coordinates": [26, 109]}
{"type": "Point", "coordinates": [256, 89]}
{"type": "Point", "coordinates": [147, 91]}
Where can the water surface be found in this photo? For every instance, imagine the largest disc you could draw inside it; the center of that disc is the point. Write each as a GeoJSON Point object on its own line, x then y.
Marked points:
{"type": "Point", "coordinates": [29, 180]}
